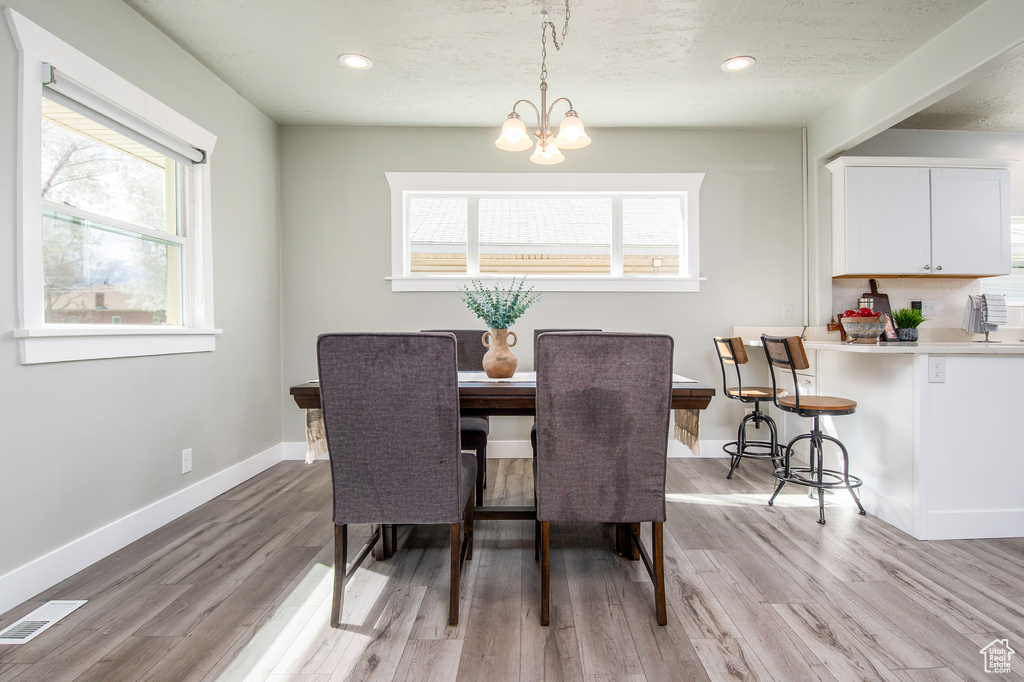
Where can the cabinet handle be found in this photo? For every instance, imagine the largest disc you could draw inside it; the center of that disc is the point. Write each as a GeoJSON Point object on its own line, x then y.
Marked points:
{"type": "Point", "coordinates": [938, 267]}
{"type": "Point", "coordinates": [927, 267]}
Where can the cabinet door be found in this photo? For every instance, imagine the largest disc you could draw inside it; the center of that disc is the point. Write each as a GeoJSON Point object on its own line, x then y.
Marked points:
{"type": "Point", "coordinates": [970, 221]}
{"type": "Point", "coordinates": [888, 221]}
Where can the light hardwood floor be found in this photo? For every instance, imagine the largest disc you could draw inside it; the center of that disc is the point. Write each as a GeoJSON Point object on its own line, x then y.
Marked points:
{"type": "Point", "coordinates": [239, 589]}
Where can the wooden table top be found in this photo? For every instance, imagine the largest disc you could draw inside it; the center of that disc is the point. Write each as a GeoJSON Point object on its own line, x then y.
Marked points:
{"type": "Point", "coordinates": [516, 396]}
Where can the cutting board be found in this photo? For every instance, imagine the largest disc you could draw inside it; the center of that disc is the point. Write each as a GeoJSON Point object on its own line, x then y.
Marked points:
{"type": "Point", "coordinates": [880, 301]}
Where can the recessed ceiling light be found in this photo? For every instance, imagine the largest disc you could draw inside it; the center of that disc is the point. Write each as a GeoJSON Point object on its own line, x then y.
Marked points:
{"type": "Point", "coordinates": [737, 63]}
{"type": "Point", "coordinates": [355, 61]}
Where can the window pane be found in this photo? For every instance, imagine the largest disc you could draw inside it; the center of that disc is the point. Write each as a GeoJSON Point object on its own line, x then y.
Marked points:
{"type": "Point", "coordinates": [1013, 284]}
{"type": "Point", "coordinates": [545, 235]}
{"type": "Point", "coordinates": [89, 166]}
{"type": "Point", "coordinates": [652, 230]}
{"type": "Point", "coordinates": [437, 232]}
{"type": "Point", "coordinates": [94, 274]}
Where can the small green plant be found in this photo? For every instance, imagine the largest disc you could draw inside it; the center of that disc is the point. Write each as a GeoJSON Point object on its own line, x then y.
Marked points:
{"type": "Point", "coordinates": [908, 318]}
{"type": "Point", "coordinates": [499, 307]}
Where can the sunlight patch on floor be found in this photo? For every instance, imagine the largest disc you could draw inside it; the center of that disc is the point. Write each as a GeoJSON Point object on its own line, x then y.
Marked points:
{"type": "Point", "coordinates": [740, 499]}
{"type": "Point", "coordinates": [298, 635]}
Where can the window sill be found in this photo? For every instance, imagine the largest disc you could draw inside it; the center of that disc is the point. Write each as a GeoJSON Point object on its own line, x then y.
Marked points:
{"type": "Point", "coordinates": [637, 283]}
{"type": "Point", "coordinates": [67, 343]}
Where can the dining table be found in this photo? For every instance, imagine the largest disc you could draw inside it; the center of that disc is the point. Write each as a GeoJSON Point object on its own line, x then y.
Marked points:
{"type": "Point", "coordinates": [483, 396]}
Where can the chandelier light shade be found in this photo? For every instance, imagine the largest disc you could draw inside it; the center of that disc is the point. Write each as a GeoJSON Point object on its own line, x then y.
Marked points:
{"type": "Point", "coordinates": [547, 154]}
{"type": "Point", "coordinates": [571, 133]}
{"type": "Point", "coordinates": [514, 137]}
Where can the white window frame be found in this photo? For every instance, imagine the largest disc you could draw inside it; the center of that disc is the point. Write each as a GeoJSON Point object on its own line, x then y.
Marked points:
{"type": "Point", "coordinates": [404, 185]}
{"type": "Point", "coordinates": [42, 342]}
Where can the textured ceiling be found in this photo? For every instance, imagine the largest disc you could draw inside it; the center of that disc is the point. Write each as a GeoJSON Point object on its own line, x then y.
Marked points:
{"type": "Point", "coordinates": [626, 62]}
{"type": "Point", "coordinates": [994, 103]}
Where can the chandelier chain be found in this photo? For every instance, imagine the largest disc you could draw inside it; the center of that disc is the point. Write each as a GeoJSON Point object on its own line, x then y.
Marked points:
{"type": "Point", "coordinates": [554, 39]}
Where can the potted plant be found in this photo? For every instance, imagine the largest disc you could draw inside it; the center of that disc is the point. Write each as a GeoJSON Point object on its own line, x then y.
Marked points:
{"type": "Point", "coordinates": [907, 321]}
{"type": "Point", "coordinates": [499, 308]}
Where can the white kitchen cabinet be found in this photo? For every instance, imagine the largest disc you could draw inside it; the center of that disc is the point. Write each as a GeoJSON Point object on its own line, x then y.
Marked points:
{"type": "Point", "coordinates": [920, 216]}
{"type": "Point", "coordinates": [970, 211]}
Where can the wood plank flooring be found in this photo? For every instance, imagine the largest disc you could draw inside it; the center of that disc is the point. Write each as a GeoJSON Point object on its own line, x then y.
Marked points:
{"type": "Point", "coordinates": [239, 589]}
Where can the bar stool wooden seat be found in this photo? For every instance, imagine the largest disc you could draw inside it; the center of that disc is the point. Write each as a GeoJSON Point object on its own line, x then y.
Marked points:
{"type": "Point", "coordinates": [787, 354]}
{"type": "Point", "coordinates": [731, 352]}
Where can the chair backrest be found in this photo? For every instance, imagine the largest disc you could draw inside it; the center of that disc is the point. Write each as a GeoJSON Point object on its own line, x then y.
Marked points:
{"type": "Point", "coordinates": [730, 351]}
{"type": "Point", "coordinates": [538, 332]}
{"type": "Point", "coordinates": [603, 403]}
{"type": "Point", "coordinates": [785, 353]}
{"type": "Point", "coordinates": [390, 403]}
{"type": "Point", "coordinates": [471, 349]}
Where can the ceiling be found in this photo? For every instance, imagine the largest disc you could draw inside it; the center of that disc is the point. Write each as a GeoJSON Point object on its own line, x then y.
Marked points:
{"type": "Point", "coordinates": [994, 103]}
{"type": "Point", "coordinates": [645, 63]}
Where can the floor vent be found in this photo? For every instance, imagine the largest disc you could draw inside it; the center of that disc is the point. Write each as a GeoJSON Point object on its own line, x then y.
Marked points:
{"type": "Point", "coordinates": [37, 621]}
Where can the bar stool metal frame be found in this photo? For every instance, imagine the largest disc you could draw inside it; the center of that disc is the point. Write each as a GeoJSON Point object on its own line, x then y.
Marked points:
{"type": "Point", "coordinates": [731, 352]}
{"type": "Point", "coordinates": [787, 353]}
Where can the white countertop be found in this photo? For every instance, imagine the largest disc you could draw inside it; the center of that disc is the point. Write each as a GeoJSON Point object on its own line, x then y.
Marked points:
{"type": "Point", "coordinates": [920, 348]}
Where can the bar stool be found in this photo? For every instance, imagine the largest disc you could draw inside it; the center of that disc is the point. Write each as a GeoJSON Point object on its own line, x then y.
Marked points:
{"type": "Point", "coordinates": [787, 354]}
{"type": "Point", "coordinates": [731, 352]}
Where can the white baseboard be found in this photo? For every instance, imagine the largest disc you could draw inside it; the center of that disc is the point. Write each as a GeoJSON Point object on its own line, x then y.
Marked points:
{"type": "Point", "coordinates": [296, 450]}
{"type": "Point", "coordinates": [509, 449]}
{"type": "Point", "coordinates": [28, 580]}
{"type": "Point", "coordinates": [708, 449]}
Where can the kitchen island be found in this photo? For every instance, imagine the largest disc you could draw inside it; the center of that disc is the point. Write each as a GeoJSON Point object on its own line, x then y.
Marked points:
{"type": "Point", "coordinates": [935, 433]}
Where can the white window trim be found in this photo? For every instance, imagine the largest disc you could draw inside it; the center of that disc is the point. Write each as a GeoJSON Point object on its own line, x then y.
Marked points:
{"type": "Point", "coordinates": [400, 183]}
{"type": "Point", "coordinates": [42, 342]}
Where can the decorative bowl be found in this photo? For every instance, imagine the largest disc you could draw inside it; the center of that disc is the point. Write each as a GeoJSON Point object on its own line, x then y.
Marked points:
{"type": "Point", "coordinates": [863, 329]}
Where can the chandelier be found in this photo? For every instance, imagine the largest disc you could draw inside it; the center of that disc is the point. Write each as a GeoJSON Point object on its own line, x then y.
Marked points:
{"type": "Point", "coordinates": [571, 133]}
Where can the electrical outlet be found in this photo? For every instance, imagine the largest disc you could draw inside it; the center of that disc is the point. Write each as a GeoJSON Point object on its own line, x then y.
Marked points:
{"type": "Point", "coordinates": [936, 370]}
{"type": "Point", "coordinates": [787, 311]}
{"type": "Point", "coordinates": [186, 461]}
{"type": "Point", "coordinates": [929, 309]}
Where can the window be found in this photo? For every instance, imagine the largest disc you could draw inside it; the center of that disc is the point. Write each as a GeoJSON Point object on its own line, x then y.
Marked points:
{"type": "Point", "coordinates": [114, 213]}
{"type": "Point", "coordinates": [1013, 284]}
{"type": "Point", "coordinates": [568, 232]}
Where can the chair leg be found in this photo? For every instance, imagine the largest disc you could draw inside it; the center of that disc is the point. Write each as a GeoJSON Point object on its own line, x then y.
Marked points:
{"type": "Point", "coordinates": [741, 442]}
{"type": "Point", "coordinates": [658, 549]}
{"type": "Point", "coordinates": [818, 461]}
{"type": "Point", "coordinates": [453, 588]}
{"type": "Point", "coordinates": [481, 474]}
{"type": "Point", "coordinates": [467, 516]}
{"type": "Point", "coordinates": [340, 571]}
{"type": "Point", "coordinates": [545, 572]}
{"type": "Point", "coordinates": [846, 472]}
{"type": "Point", "coordinates": [536, 540]}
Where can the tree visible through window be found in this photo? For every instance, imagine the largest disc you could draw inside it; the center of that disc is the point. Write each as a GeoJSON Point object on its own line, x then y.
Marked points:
{"type": "Point", "coordinates": [112, 225]}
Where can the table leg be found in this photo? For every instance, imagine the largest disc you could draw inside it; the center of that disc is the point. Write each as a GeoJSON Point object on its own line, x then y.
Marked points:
{"type": "Point", "coordinates": [624, 540]}
{"type": "Point", "coordinates": [385, 547]}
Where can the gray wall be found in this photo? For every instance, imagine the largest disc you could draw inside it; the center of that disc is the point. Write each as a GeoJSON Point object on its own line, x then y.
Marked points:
{"type": "Point", "coordinates": [336, 241]}
{"type": "Point", "coordinates": [84, 443]}
{"type": "Point", "coordinates": [955, 144]}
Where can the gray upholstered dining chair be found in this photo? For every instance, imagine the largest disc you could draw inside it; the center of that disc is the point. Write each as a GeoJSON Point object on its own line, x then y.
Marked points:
{"type": "Point", "coordinates": [536, 335]}
{"type": "Point", "coordinates": [391, 412]}
{"type": "Point", "coordinates": [603, 402]}
{"type": "Point", "coordinates": [475, 430]}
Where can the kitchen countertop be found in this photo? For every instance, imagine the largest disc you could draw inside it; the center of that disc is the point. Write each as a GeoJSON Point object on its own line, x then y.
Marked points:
{"type": "Point", "coordinates": [920, 348]}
